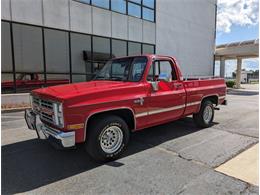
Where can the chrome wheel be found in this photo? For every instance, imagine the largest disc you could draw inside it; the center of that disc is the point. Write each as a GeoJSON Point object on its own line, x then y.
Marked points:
{"type": "Point", "coordinates": [111, 139]}
{"type": "Point", "coordinates": [207, 114]}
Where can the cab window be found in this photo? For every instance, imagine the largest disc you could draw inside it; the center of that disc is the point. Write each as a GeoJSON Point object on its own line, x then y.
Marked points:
{"type": "Point", "coordinates": [161, 66]}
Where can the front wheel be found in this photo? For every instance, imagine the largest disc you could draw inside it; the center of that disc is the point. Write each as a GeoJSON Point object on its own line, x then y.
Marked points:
{"type": "Point", "coordinates": [107, 137]}
{"type": "Point", "coordinates": [204, 118]}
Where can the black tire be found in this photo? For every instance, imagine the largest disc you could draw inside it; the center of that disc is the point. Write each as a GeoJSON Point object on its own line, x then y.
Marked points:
{"type": "Point", "coordinates": [198, 117]}
{"type": "Point", "coordinates": [94, 134]}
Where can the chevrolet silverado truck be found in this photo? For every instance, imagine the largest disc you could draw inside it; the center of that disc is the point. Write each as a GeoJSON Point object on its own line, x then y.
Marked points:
{"type": "Point", "coordinates": [127, 95]}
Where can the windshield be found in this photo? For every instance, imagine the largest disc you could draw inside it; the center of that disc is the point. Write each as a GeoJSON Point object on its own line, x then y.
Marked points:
{"type": "Point", "coordinates": [125, 69]}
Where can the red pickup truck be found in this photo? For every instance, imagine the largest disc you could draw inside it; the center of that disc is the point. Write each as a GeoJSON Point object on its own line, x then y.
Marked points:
{"type": "Point", "coordinates": [128, 94]}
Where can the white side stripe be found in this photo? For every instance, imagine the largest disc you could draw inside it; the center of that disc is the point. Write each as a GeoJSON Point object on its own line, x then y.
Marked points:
{"type": "Point", "coordinates": [193, 103]}
{"type": "Point", "coordinates": [166, 109]}
{"type": "Point", "coordinates": [141, 114]}
{"type": "Point", "coordinates": [222, 97]}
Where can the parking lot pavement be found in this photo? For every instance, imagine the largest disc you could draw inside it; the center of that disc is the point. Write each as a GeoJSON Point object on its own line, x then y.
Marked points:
{"type": "Point", "coordinates": [175, 158]}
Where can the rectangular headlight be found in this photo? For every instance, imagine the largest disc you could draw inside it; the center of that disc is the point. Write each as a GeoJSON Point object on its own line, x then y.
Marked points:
{"type": "Point", "coordinates": [58, 114]}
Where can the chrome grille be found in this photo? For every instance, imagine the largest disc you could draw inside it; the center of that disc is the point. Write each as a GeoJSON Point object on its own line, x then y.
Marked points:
{"type": "Point", "coordinates": [47, 117]}
{"type": "Point", "coordinates": [43, 108]}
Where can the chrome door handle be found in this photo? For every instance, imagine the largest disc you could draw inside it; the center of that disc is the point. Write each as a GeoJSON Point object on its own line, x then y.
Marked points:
{"type": "Point", "coordinates": [139, 101]}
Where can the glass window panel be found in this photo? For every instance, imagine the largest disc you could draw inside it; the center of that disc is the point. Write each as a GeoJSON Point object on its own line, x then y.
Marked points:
{"type": "Point", "coordinates": [56, 51]}
{"type": "Point", "coordinates": [138, 68]}
{"type": "Point", "coordinates": [118, 48]}
{"type": "Point", "coordinates": [134, 48]}
{"type": "Point", "coordinates": [166, 67]}
{"type": "Point", "coordinates": [101, 52]}
{"type": "Point", "coordinates": [136, 1]}
{"type": "Point", "coordinates": [119, 6]}
{"type": "Point", "coordinates": [101, 3]}
{"type": "Point", "coordinates": [28, 48]}
{"type": "Point", "coordinates": [78, 78]}
{"type": "Point", "coordinates": [134, 10]}
{"type": "Point", "coordinates": [148, 14]}
{"type": "Point", "coordinates": [57, 79]}
{"type": "Point", "coordinates": [80, 53]}
{"type": "Point", "coordinates": [84, 1]}
{"type": "Point", "coordinates": [149, 3]}
{"type": "Point", "coordinates": [7, 82]}
{"type": "Point", "coordinates": [25, 82]}
{"type": "Point", "coordinates": [148, 49]}
{"type": "Point", "coordinates": [6, 52]}
{"type": "Point", "coordinates": [117, 69]}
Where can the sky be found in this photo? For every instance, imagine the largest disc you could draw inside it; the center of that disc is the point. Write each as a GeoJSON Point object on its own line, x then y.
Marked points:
{"type": "Point", "coordinates": [237, 20]}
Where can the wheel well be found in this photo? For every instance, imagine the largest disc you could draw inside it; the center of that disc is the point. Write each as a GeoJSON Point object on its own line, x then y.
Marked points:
{"type": "Point", "coordinates": [125, 114]}
{"type": "Point", "coordinates": [213, 99]}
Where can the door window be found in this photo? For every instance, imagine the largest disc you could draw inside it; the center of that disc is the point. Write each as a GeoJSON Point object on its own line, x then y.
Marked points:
{"type": "Point", "coordinates": [161, 66]}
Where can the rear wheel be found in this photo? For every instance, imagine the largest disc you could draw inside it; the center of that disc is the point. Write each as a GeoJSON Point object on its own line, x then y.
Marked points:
{"type": "Point", "coordinates": [204, 118]}
{"type": "Point", "coordinates": [107, 138]}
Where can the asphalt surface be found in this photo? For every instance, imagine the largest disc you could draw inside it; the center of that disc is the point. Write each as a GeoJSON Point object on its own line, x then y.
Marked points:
{"type": "Point", "coordinates": [175, 158]}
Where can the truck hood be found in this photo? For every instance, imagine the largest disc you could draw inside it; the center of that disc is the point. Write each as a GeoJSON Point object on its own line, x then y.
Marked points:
{"type": "Point", "coordinates": [69, 91]}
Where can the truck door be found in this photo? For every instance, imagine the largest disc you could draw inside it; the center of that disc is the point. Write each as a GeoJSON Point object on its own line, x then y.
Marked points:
{"type": "Point", "coordinates": [168, 101]}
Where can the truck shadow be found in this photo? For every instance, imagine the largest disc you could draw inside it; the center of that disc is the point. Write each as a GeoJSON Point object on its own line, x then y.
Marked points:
{"type": "Point", "coordinates": [31, 164]}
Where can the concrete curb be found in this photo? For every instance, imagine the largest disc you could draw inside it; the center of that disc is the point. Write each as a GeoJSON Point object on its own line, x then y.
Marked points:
{"type": "Point", "coordinates": [245, 92]}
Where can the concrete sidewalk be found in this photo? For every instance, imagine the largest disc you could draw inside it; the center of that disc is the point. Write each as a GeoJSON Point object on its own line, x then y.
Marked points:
{"type": "Point", "coordinates": [244, 166]}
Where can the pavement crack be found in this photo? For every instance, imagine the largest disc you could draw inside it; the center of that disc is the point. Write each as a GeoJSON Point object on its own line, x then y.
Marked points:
{"type": "Point", "coordinates": [236, 133]}
{"type": "Point", "coordinates": [246, 188]}
{"type": "Point", "coordinates": [182, 157]}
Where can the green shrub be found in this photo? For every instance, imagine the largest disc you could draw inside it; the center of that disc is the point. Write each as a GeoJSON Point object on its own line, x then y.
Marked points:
{"type": "Point", "coordinates": [230, 83]}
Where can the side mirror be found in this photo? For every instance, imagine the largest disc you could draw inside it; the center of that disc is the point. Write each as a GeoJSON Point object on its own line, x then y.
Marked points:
{"type": "Point", "coordinates": [155, 85]}
{"type": "Point", "coordinates": [165, 77]}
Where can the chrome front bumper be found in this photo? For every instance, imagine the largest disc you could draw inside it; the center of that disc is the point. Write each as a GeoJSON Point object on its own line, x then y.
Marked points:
{"type": "Point", "coordinates": [67, 139]}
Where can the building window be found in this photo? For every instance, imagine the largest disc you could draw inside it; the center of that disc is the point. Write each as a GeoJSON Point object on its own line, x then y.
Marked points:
{"type": "Point", "coordinates": [148, 14]}
{"type": "Point", "coordinates": [28, 48]}
{"type": "Point", "coordinates": [134, 10]}
{"type": "Point", "coordinates": [101, 52]}
{"type": "Point", "coordinates": [118, 6]}
{"type": "Point", "coordinates": [118, 48]}
{"type": "Point", "coordinates": [77, 59]}
{"type": "Point", "coordinates": [83, 1]}
{"type": "Point", "coordinates": [134, 48]}
{"type": "Point", "coordinates": [136, 1]}
{"type": "Point", "coordinates": [57, 79]}
{"type": "Point", "coordinates": [7, 82]}
{"type": "Point", "coordinates": [101, 3]}
{"type": "Point", "coordinates": [148, 49]}
{"type": "Point", "coordinates": [6, 52]}
{"type": "Point", "coordinates": [149, 3]}
{"type": "Point", "coordinates": [144, 9]}
{"type": "Point", "coordinates": [57, 51]}
{"type": "Point", "coordinates": [80, 53]}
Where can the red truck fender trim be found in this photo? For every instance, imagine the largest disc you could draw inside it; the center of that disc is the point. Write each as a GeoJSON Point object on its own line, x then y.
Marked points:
{"type": "Point", "coordinates": [107, 110]}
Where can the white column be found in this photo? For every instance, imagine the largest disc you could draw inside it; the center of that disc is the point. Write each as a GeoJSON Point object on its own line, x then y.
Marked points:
{"type": "Point", "coordinates": [238, 74]}
{"type": "Point", "coordinates": [222, 67]}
